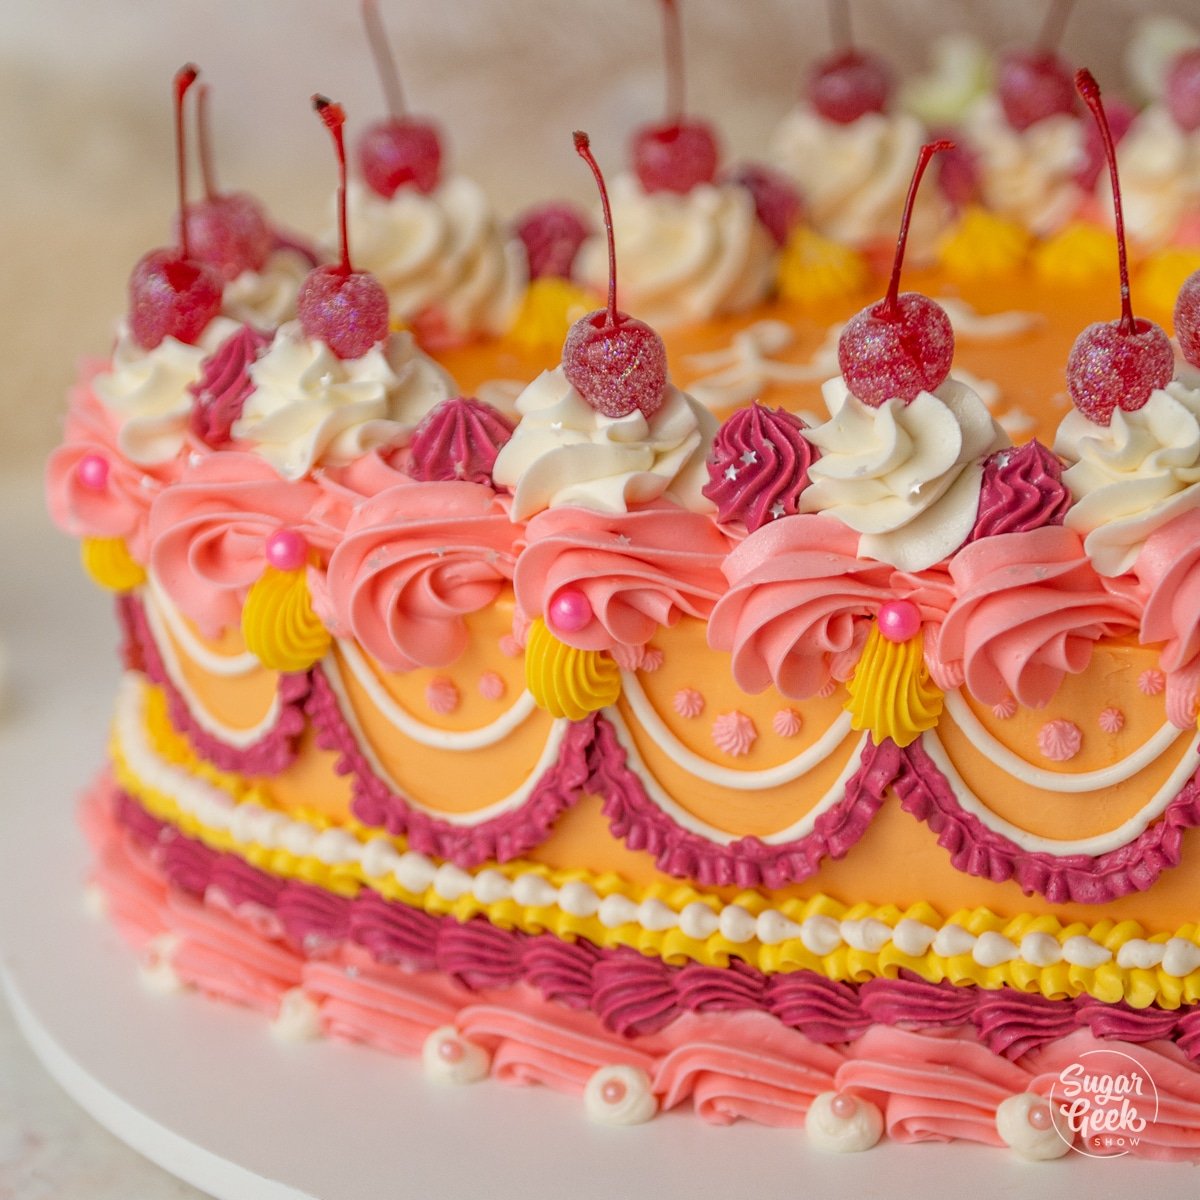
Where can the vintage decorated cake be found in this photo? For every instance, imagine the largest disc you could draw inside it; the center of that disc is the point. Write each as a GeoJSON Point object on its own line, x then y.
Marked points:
{"type": "Point", "coordinates": [733, 649]}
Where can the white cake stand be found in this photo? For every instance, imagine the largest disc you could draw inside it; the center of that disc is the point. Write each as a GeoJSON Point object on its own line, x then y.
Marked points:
{"type": "Point", "coordinates": [205, 1091]}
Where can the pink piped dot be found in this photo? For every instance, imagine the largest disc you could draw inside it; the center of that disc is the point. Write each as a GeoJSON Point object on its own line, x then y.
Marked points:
{"type": "Point", "coordinates": [1151, 682]}
{"type": "Point", "coordinates": [93, 472]}
{"type": "Point", "coordinates": [492, 685]}
{"type": "Point", "coordinates": [843, 1106]}
{"type": "Point", "coordinates": [286, 550]}
{"type": "Point", "coordinates": [899, 620]}
{"type": "Point", "coordinates": [510, 647]}
{"type": "Point", "coordinates": [613, 1091]}
{"type": "Point", "coordinates": [1039, 1116]}
{"type": "Point", "coordinates": [569, 611]}
{"type": "Point", "coordinates": [450, 1051]}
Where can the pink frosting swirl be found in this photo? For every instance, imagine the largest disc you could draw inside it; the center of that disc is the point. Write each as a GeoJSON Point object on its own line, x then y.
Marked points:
{"type": "Point", "coordinates": [119, 508]}
{"type": "Point", "coordinates": [224, 385]}
{"type": "Point", "coordinates": [799, 605]}
{"type": "Point", "coordinates": [1168, 568]}
{"type": "Point", "coordinates": [1029, 609]}
{"type": "Point", "coordinates": [1022, 489]}
{"type": "Point", "coordinates": [459, 439]}
{"type": "Point", "coordinates": [208, 532]}
{"type": "Point", "coordinates": [413, 561]}
{"type": "Point", "coordinates": [640, 571]}
{"type": "Point", "coordinates": [758, 466]}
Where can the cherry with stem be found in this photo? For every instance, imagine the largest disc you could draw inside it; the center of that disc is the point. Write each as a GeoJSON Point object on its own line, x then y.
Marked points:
{"type": "Point", "coordinates": [1035, 84]}
{"type": "Point", "coordinates": [848, 84]}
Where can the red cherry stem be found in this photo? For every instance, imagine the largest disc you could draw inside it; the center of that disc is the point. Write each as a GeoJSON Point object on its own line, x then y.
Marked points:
{"type": "Point", "coordinates": [334, 117]}
{"type": "Point", "coordinates": [385, 60]}
{"type": "Point", "coordinates": [204, 141]}
{"type": "Point", "coordinates": [1089, 89]}
{"type": "Point", "coordinates": [889, 308]}
{"type": "Point", "coordinates": [1055, 24]}
{"type": "Point", "coordinates": [673, 53]}
{"type": "Point", "coordinates": [184, 78]}
{"type": "Point", "coordinates": [583, 148]}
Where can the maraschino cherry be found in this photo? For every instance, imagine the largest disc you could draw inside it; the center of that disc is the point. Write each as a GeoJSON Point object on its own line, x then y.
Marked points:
{"type": "Point", "coordinates": [1182, 91]}
{"type": "Point", "coordinates": [401, 150]}
{"type": "Point", "coordinates": [849, 83]}
{"type": "Point", "coordinates": [777, 204]}
{"type": "Point", "coordinates": [344, 308]}
{"type": "Point", "coordinates": [227, 230]}
{"type": "Point", "coordinates": [681, 152]}
{"type": "Point", "coordinates": [552, 234]}
{"type": "Point", "coordinates": [1036, 84]}
{"type": "Point", "coordinates": [1187, 319]}
{"type": "Point", "coordinates": [171, 294]}
{"type": "Point", "coordinates": [1117, 363]}
{"type": "Point", "coordinates": [904, 344]}
{"type": "Point", "coordinates": [616, 363]}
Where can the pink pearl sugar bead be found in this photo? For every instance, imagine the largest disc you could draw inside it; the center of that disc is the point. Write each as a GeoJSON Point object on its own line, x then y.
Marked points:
{"type": "Point", "coordinates": [286, 550]}
{"type": "Point", "coordinates": [569, 611]}
{"type": "Point", "coordinates": [899, 620]}
{"type": "Point", "coordinates": [843, 1106]}
{"type": "Point", "coordinates": [450, 1051]}
{"type": "Point", "coordinates": [1039, 1116]}
{"type": "Point", "coordinates": [93, 472]}
{"type": "Point", "coordinates": [613, 1091]}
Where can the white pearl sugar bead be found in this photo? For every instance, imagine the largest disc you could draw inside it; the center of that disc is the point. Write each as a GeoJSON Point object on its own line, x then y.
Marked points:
{"type": "Point", "coordinates": [448, 1057]}
{"type": "Point", "coordinates": [619, 1095]}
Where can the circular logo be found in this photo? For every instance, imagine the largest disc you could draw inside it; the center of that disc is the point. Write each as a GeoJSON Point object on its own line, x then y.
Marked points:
{"type": "Point", "coordinates": [1102, 1103]}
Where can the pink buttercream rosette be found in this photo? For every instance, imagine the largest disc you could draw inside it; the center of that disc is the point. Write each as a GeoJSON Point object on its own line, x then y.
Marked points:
{"type": "Point", "coordinates": [799, 605]}
{"type": "Point", "coordinates": [121, 507]}
{"type": "Point", "coordinates": [413, 561]}
{"type": "Point", "coordinates": [1029, 608]}
{"type": "Point", "coordinates": [208, 533]}
{"type": "Point", "coordinates": [640, 571]}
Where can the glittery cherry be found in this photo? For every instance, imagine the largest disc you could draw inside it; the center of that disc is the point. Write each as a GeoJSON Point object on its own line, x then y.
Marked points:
{"type": "Point", "coordinates": [344, 308]}
{"type": "Point", "coordinates": [777, 203]}
{"type": "Point", "coordinates": [615, 362]}
{"type": "Point", "coordinates": [227, 230]}
{"type": "Point", "coordinates": [1036, 84]}
{"type": "Point", "coordinates": [849, 83]}
{"type": "Point", "coordinates": [679, 153]}
{"type": "Point", "coordinates": [904, 344]}
{"type": "Point", "coordinates": [171, 294]}
{"type": "Point", "coordinates": [1182, 91]}
{"type": "Point", "coordinates": [1187, 319]}
{"type": "Point", "coordinates": [401, 150]}
{"type": "Point", "coordinates": [552, 234]}
{"type": "Point", "coordinates": [1118, 363]}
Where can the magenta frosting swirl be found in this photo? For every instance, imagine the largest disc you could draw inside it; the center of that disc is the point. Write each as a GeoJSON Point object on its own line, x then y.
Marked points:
{"type": "Point", "coordinates": [758, 466]}
{"type": "Point", "coordinates": [224, 386]}
{"type": "Point", "coordinates": [823, 1009]}
{"type": "Point", "coordinates": [395, 933]}
{"type": "Point", "coordinates": [634, 994]}
{"type": "Point", "coordinates": [562, 971]}
{"type": "Point", "coordinates": [1022, 489]}
{"type": "Point", "coordinates": [1013, 1023]}
{"type": "Point", "coordinates": [915, 1003]}
{"type": "Point", "coordinates": [478, 955]}
{"type": "Point", "coordinates": [458, 439]}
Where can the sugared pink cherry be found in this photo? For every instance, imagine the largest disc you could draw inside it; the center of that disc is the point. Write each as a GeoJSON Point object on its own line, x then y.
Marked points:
{"type": "Point", "coordinates": [1118, 363]}
{"type": "Point", "coordinates": [1187, 319]}
{"type": "Point", "coordinates": [344, 308]}
{"type": "Point", "coordinates": [903, 345]}
{"type": "Point", "coordinates": [1183, 90]}
{"type": "Point", "coordinates": [569, 610]}
{"type": "Point", "coordinates": [552, 234]}
{"type": "Point", "coordinates": [401, 150]}
{"type": "Point", "coordinates": [229, 231]}
{"type": "Point", "coordinates": [777, 203]}
{"type": "Point", "coordinates": [93, 472]}
{"type": "Point", "coordinates": [678, 154]}
{"type": "Point", "coordinates": [286, 550]}
{"type": "Point", "coordinates": [848, 85]}
{"type": "Point", "coordinates": [898, 620]}
{"type": "Point", "coordinates": [958, 176]}
{"type": "Point", "coordinates": [1039, 1117]}
{"type": "Point", "coordinates": [616, 363]}
{"type": "Point", "coordinates": [843, 1106]}
{"type": "Point", "coordinates": [1036, 84]}
{"type": "Point", "coordinates": [170, 293]}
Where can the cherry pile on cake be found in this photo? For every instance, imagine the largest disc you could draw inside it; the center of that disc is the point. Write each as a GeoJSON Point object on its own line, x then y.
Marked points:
{"type": "Point", "coordinates": [734, 649]}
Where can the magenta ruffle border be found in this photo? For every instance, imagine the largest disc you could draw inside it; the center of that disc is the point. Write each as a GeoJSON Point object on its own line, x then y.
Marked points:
{"type": "Point", "coordinates": [748, 862]}
{"type": "Point", "coordinates": [630, 993]}
{"type": "Point", "coordinates": [501, 838]}
{"type": "Point", "coordinates": [269, 755]}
